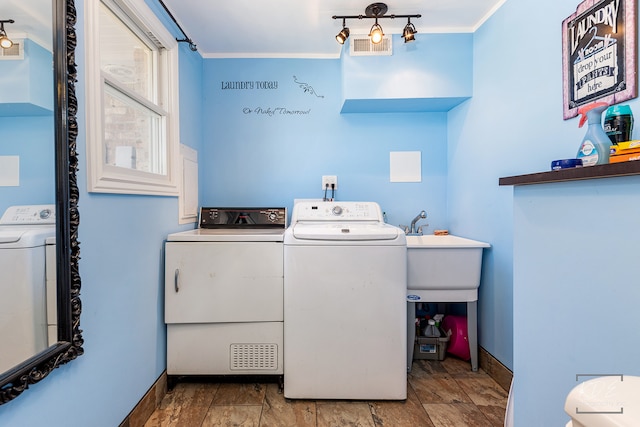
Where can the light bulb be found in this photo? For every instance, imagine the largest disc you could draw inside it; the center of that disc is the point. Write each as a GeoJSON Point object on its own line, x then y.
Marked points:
{"type": "Point", "coordinates": [5, 42]}
{"type": "Point", "coordinates": [376, 34]}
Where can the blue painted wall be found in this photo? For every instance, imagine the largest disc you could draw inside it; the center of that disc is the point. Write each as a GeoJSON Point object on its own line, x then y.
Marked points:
{"type": "Point", "coordinates": [576, 292]}
{"type": "Point", "coordinates": [513, 125]}
{"type": "Point", "coordinates": [26, 122]}
{"type": "Point", "coordinates": [253, 157]}
{"type": "Point", "coordinates": [30, 138]}
{"type": "Point", "coordinates": [26, 85]}
{"type": "Point", "coordinates": [433, 73]}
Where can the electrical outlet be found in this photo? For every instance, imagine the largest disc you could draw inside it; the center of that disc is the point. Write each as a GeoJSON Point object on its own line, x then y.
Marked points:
{"type": "Point", "coordinates": [327, 180]}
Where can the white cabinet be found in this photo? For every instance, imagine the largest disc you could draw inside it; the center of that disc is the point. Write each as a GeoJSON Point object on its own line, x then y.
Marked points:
{"type": "Point", "coordinates": [224, 307]}
{"type": "Point", "coordinates": [223, 282]}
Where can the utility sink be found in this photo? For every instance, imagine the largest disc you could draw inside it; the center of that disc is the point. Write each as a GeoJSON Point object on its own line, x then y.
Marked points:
{"type": "Point", "coordinates": [443, 262]}
{"type": "Point", "coordinates": [444, 269]}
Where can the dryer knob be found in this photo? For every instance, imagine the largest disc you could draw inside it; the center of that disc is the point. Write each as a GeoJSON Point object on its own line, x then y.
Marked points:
{"type": "Point", "coordinates": [337, 210]}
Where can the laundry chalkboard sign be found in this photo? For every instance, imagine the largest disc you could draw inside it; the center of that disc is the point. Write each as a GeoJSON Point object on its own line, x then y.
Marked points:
{"type": "Point", "coordinates": [599, 54]}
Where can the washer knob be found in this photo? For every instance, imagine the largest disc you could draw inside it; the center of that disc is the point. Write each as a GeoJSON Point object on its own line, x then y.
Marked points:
{"type": "Point", "coordinates": [273, 216]}
{"type": "Point", "coordinates": [45, 213]}
{"type": "Point", "coordinates": [337, 210]}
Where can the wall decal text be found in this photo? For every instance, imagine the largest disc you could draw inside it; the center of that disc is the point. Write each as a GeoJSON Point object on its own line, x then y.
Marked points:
{"type": "Point", "coordinates": [306, 87]}
{"type": "Point", "coordinates": [275, 111]}
{"type": "Point", "coordinates": [249, 85]}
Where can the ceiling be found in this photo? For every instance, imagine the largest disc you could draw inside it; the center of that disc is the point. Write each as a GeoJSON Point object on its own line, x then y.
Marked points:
{"type": "Point", "coordinates": [305, 29]}
{"type": "Point", "coordinates": [32, 20]}
{"type": "Point", "coordinates": [274, 28]}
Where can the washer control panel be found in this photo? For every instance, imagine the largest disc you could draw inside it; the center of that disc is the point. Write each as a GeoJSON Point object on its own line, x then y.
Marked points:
{"type": "Point", "coordinates": [29, 214]}
{"type": "Point", "coordinates": [336, 211]}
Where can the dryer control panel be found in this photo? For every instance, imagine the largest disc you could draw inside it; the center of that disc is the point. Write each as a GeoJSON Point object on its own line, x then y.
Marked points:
{"type": "Point", "coordinates": [243, 218]}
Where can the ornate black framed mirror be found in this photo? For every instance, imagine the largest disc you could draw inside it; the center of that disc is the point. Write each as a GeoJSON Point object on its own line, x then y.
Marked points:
{"type": "Point", "coordinates": [69, 346]}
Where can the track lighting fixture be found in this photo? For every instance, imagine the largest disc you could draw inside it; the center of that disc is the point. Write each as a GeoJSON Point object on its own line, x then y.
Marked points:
{"type": "Point", "coordinates": [377, 11]}
{"type": "Point", "coordinates": [408, 32]}
{"type": "Point", "coordinates": [5, 42]}
{"type": "Point", "coordinates": [344, 34]}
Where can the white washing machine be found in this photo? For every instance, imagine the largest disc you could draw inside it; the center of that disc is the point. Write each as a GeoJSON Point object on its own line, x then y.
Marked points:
{"type": "Point", "coordinates": [345, 283]}
{"type": "Point", "coordinates": [51, 261]}
{"type": "Point", "coordinates": [23, 309]}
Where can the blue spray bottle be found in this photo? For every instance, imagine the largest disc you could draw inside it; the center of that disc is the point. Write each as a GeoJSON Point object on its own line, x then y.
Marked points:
{"type": "Point", "coordinates": [594, 149]}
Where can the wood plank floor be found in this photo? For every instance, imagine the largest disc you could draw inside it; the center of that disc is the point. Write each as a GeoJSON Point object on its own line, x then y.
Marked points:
{"type": "Point", "coordinates": [440, 394]}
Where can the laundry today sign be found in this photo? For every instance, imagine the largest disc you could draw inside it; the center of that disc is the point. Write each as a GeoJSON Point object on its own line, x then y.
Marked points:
{"type": "Point", "coordinates": [270, 85]}
{"type": "Point", "coordinates": [599, 54]}
{"type": "Point", "coordinates": [249, 85]}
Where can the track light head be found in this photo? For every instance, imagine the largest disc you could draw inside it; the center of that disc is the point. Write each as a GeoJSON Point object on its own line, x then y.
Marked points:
{"type": "Point", "coordinates": [5, 42]}
{"type": "Point", "coordinates": [344, 34]}
{"type": "Point", "coordinates": [376, 33]}
{"type": "Point", "coordinates": [408, 34]}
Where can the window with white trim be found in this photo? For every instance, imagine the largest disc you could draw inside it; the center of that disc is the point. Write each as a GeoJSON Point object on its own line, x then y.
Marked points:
{"type": "Point", "coordinates": [132, 100]}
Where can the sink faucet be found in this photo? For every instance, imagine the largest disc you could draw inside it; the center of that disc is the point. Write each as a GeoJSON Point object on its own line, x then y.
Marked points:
{"type": "Point", "coordinates": [412, 230]}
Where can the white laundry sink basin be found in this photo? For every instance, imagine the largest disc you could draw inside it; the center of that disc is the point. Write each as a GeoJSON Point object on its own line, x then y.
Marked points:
{"type": "Point", "coordinates": [443, 262]}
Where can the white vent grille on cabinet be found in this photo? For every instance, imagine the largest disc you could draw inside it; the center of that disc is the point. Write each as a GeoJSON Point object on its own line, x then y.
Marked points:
{"type": "Point", "coordinates": [361, 46]}
{"type": "Point", "coordinates": [14, 52]}
{"type": "Point", "coordinates": [254, 357]}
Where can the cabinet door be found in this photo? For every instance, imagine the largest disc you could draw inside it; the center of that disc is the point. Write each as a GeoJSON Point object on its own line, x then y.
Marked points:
{"type": "Point", "coordinates": [223, 282]}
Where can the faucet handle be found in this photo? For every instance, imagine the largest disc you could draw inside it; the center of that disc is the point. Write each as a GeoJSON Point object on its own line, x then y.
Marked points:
{"type": "Point", "coordinates": [404, 228]}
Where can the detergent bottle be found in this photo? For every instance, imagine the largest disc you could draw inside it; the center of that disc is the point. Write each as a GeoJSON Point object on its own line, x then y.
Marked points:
{"type": "Point", "coordinates": [431, 330]}
{"type": "Point", "coordinates": [594, 149]}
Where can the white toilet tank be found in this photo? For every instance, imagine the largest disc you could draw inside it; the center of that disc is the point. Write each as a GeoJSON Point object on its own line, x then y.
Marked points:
{"type": "Point", "coordinates": [605, 401]}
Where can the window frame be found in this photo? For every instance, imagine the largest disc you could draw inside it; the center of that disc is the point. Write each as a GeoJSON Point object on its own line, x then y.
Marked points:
{"type": "Point", "coordinates": [104, 178]}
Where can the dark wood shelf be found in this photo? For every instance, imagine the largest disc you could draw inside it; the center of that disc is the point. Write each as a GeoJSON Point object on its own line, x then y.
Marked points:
{"type": "Point", "coordinates": [591, 172]}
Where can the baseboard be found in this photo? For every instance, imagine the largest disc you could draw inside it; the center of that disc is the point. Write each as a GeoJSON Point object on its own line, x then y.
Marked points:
{"type": "Point", "coordinates": [149, 402]}
{"type": "Point", "coordinates": [496, 370]}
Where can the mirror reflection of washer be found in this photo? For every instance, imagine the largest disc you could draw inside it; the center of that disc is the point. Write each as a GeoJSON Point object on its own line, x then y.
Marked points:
{"type": "Point", "coordinates": [345, 287]}
{"type": "Point", "coordinates": [24, 232]}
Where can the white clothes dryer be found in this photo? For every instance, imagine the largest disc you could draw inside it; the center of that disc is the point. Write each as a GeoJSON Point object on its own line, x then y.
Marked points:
{"type": "Point", "coordinates": [345, 285]}
{"type": "Point", "coordinates": [223, 294]}
{"type": "Point", "coordinates": [23, 312]}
